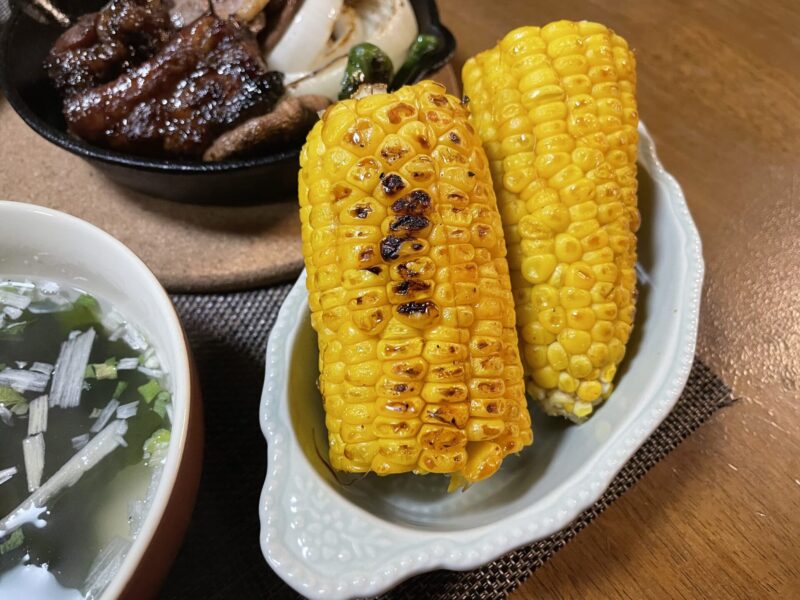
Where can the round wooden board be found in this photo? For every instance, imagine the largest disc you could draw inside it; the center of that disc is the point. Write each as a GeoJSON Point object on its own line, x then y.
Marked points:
{"type": "Point", "coordinates": [190, 248]}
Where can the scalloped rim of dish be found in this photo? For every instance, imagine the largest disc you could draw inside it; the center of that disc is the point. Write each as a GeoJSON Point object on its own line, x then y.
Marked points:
{"type": "Point", "coordinates": [455, 550]}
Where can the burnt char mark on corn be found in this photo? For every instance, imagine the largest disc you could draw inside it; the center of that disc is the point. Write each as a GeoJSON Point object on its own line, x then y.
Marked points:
{"type": "Point", "coordinates": [392, 183]}
{"type": "Point", "coordinates": [376, 270]}
{"type": "Point", "coordinates": [436, 414]}
{"type": "Point", "coordinates": [404, 287]}
{"type": "Point", "coordinates": [341, 191]}
{"type": "Point", "coordinates": [405, 272]}
{"type": "Point", "coordinates": [361, 211]}
{"type": "Point", "coordinates": [413, 203]}
{"type": "Point", "coordinates": [366, 254]}
{"type": "Point", "coordinates": [407, 371]}
{"type": "Point", "coordinates": [409, 223]}
{"type": "Point", "coordinates": [390, 247]}
{"type": "Point", "coordinates": [399, 112]}
{"type": "Point", "coordinates": [393, 153]}
{"type": "Point", "coordinates": [416, 308]}
{"type": "Point", "coordinates": [456, 196]}
{"type": "Point", "coordinates": [393, 348]}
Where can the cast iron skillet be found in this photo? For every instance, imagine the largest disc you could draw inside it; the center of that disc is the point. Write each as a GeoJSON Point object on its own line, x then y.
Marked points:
{"type": "Point", "coordinates": [24, 43]}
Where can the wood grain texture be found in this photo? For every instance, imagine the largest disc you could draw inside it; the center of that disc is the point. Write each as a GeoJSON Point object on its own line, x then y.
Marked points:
{"type": "Point", "coordinates": [719, 89]}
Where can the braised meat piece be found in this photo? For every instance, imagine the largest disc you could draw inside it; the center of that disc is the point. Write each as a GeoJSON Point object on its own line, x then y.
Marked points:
{"type": "Point", "coordinates": [183, 12]}
{"type": "Point", "coordinates": [102, 45]}
{"type": "Point", "coordinates": [206, 79]}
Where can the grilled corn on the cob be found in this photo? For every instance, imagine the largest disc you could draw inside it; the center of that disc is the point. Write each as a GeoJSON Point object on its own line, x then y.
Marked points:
{"type": "Point", "coordinates": [556, 109]}
{"type": "Point", "coordinates": [409, 289]}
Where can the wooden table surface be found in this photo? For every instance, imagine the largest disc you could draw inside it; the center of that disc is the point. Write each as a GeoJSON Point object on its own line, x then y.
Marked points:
{"type": "Point", "coordinates": [719, 89]}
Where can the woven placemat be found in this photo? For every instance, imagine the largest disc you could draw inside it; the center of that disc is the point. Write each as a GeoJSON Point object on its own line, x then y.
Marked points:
{"type": "Point", "coordinates": [221, 557]}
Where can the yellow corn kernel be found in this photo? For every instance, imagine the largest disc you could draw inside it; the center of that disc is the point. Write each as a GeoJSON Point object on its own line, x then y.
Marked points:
{"type": "Point", "coordinates": [607, 374]}
{"type": "Point", "coordinates": [387, 427]}
{"type": "Point", "coordinates": [581, 318]}
{"type": "Point", "coordinates": [567, 383]}
{"type": "Point", "coordinates": [553, 320]}
{"type": "Point", "coordinates": [484, 429]}
{"type": "Point", "coordinates": [557, 357]}
{"type": "Point", "coordinates": [484, 460]}
{"type": "Point", "coordinates": [573, 297]}
{"type": "Point", "coordinates": [575, 341]}
{"type": "Point", "coordinates": [538, 268]}
{"type": "Point", "coordinates": [535, 333]}
{"type": "Point", "coordinates": [580, 366]}
{"type": "Point", "coordinates": [589, 391]}
{"type": "Point", "coordinates": [545, 377]}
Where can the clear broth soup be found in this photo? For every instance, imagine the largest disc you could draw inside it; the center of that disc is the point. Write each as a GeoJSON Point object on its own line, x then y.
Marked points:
{"type": "Point", "coordinates": [82, 391]}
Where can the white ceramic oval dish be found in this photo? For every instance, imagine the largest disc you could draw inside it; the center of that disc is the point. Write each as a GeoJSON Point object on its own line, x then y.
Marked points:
{"type": "Point", "coordinates": [330, 541]}
{"type": "Point", "coordinates": [41, 243]}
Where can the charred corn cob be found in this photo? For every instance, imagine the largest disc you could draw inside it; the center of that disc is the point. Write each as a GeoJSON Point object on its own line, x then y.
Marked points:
{"type": "Point", "coordinates": [409, 289]}
{"type": "Point", "coordinates": [556, 109]}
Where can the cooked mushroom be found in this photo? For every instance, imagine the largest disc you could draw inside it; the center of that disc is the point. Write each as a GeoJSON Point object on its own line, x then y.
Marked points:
{"type": "Point", "coordinates": [288, 122]}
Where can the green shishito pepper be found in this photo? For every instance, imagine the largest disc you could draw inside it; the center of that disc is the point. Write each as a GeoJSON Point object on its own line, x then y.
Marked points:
{"type": "Point", "coordinates": [419, 54]}
{"type": "Point", "coordinates": [366, 63]}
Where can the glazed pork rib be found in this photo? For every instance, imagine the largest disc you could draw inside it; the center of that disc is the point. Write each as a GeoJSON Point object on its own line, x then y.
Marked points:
{"type": "Point", "coordinates": [206, 79]}
{"type": "Point", "coordinates": [102, 45]}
